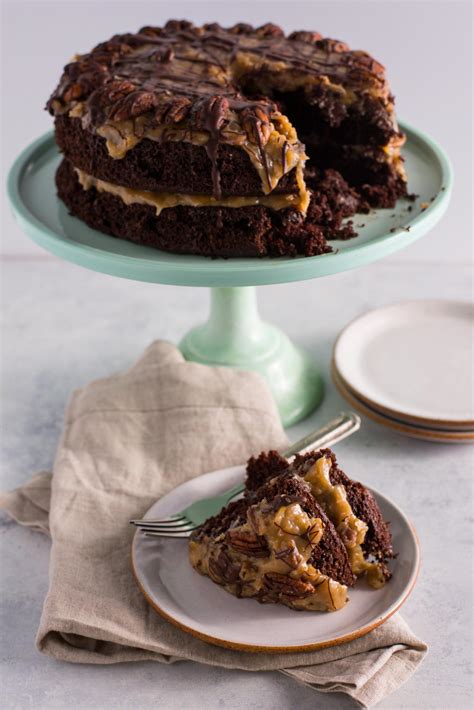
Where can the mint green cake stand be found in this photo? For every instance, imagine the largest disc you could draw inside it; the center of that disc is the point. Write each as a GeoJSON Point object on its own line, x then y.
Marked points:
{"type": "Point", "coordinates": [234, 335]}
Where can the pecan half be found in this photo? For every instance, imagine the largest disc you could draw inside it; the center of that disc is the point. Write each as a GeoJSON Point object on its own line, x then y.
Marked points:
{"type": "Point", "coordinates": [118, 89]}
{"type": "Point", "coordinates": [332, 45]}
{"type": "Point", "coordinates": [178, 110]}
{"type": "Point", "coordinates": [346, 533]}
{"type": "Point", "coordinates": [143, 102]}
{"type": "Point", "coordinates": [132, 105]}
{"type": "Point", "coordinates": [75, 91]}
{"type": "Point", "coordinates": [247, 543]}
{"type": "Point", "coordinates": [287, 586]}
{"type": "Point", "coordinates": [241, 28]}
{"type": "Point", "coordinates": [289, 556]}
{"type": "Point", "coordinates": [257, 130]}
{"type": "Point", "coordinates": [178, 25]}
{"type": "Point", "coordinates": [222, 569]}
{"type": "Point", "coordinates": [303, 36]}
{"type": "Point", "coordinates": [166, 57]}
{"type": "Point", "coordinates": [269, 30]}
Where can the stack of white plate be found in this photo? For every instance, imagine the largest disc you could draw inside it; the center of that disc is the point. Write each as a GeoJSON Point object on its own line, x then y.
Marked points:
{"type": "Point", "coordinates": [409, 367]}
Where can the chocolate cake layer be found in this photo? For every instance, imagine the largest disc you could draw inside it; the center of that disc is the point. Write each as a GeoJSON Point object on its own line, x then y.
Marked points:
{"type": "Point", "coordinates": [171, 166]}
{"type": "Point", "coordinates": [207, 231]}
{"type": "Point", "coordinates": [364, 168]}
{"type": "Point", "coordinates": [185, 168]}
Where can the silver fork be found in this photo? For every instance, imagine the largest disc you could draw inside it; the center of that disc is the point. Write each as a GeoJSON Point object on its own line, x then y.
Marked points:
{"type": "Point", "coordinates": [182, 524]}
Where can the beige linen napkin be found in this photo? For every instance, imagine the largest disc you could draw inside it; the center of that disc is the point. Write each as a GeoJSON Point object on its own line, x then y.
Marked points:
{"type": "Point", "coordinates": [129, 439]}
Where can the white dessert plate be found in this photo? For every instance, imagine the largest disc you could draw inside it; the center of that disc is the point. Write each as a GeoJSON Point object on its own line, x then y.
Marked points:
{"type": "Point", "coordinates": [415, 431]}
{"type": "Point", "coordinates": [197, 605]}
{"type": "Point", "coordinates": [412, 361]}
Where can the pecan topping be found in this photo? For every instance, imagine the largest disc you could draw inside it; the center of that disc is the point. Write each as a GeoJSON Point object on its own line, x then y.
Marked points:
{"type": "Point", "coordinates": [289, 556]}
{"type": "Point", "coordinates": [287, 586]}
{"type": "Point", "coordinates": [269, 30]}
{"type": "Point", "coordinates": [303, 36]}
{"type": "Point", "coordinates": [223, 569]}
{"type": "Point", "coordinates": [148, 56]}
{"type": "Point", "coordinates": [332, 45]}
{"type": "Point", "coordinates": [346, 533]}
{"type": "Point", "coordinates": [178, 110]}
{"type": "Point", "coordinates": [248, 543]}
{"type": "Point", "coordinates": [178, 25]}
{"type": "Point", "coordinates": [167, 56]}
{"type": "Point", "coordinates": [258, 128]}
{"type": "Point", "coordinates": [143, 103]}
{"type": "Point", "coordinates": [119, 89]}
{"type": "Point", "coordinates": [241, 28]}
{"type": "Point", "coordinates": [75, 91]}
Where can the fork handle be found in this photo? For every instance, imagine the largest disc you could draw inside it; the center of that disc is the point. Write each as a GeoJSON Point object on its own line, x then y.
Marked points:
{"type": "Point", "coordinates": [345, 424]}
{"type": "Point", "coordinates": [342, 426]}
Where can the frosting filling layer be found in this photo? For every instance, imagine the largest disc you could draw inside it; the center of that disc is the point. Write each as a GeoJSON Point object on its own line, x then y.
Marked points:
{"type": "Point", "coordinates": [269, 557]}
{"type": "Point", "coordinates": [272, 153]}
{"type": "Point", "coordinates": [164, 200]}
{"type": "Point", "coordinates": [352, 530]}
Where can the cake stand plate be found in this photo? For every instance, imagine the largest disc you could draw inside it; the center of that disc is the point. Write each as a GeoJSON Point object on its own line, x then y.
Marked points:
{"type": "Point", "coordinates": [234, 335]}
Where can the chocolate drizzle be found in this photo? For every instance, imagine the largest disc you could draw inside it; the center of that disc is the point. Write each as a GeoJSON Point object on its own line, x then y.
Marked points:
{"type": "Point", "coordinates": [283, 156]}
{"type": "Point", "coordinates": [196, 61]}
{"type": "Point", "coordinates": [214, 114]}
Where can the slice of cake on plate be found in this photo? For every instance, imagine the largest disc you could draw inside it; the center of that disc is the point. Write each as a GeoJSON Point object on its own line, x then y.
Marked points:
{"type": "Point", "coordinates": [301, 536]}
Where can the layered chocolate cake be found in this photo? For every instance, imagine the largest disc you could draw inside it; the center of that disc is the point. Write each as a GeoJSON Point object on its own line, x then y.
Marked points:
{"type": "Point", "coordinates": [226, 142]}
{"type": "Point", "coordinates": [301, 535]}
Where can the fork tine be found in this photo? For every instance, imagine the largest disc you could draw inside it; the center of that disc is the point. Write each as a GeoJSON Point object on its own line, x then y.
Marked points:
{"type": "Point", "coordinates": [168, 534]}
{"type": "Point", "coordinates": [172, 520]}
{"type": "Point", "coordinates": [168, 528]}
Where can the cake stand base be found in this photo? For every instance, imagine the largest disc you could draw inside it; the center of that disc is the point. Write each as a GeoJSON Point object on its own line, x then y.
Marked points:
{"type": "Point", "coordinates": [235, 336]}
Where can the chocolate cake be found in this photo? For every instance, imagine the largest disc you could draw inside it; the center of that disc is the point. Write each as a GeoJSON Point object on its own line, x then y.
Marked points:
{"type": "Point", "coordinates": [301, 535]}
{"type": "Point", "coordinates": [226, 142]}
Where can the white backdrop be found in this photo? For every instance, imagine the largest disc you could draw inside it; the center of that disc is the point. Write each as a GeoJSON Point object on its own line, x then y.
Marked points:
{"type": "Point", "coordinates": [426, 45]}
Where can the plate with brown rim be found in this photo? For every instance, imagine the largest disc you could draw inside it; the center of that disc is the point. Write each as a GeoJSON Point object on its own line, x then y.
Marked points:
{"type": "Point", "coordinates": [414, 431]}
{"type": "Point", "coordinates": [198, 606]}
{"type": "Point", "coordinates": [412, 362]}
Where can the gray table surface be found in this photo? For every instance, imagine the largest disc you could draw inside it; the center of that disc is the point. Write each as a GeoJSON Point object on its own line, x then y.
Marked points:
{"type": "Point", "coordinates": [65, 326]}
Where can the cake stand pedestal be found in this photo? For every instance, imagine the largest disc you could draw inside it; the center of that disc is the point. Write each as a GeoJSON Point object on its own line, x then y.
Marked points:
{"type": "Point", "coordinates": [234, 335]}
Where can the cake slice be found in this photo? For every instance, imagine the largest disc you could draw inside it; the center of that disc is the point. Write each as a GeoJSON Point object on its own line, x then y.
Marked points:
{"type": "Point", "coordinates": [281, 548]}
{"type": "Point", "coordinates": [301, 535]}
{"type": "Point", "coordinates": [351, 507]}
